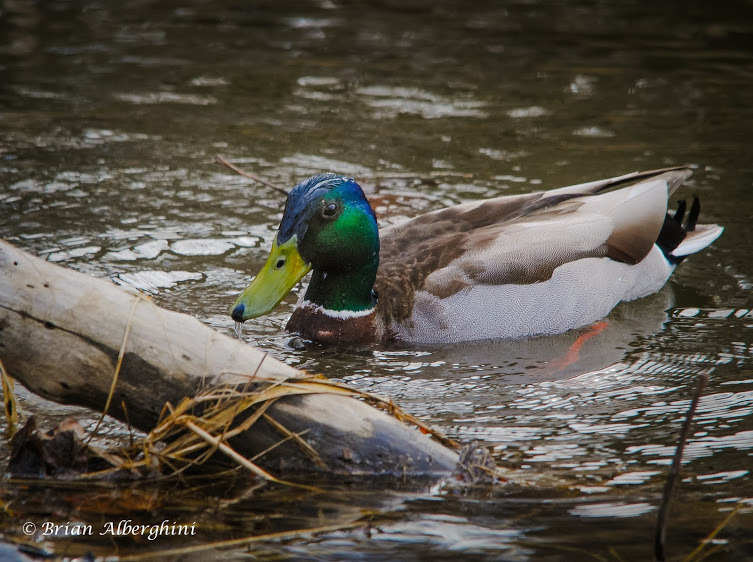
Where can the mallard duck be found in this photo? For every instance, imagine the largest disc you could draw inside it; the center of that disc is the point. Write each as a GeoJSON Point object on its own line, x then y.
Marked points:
{"type": "Point", "coordinates": [508, 267]}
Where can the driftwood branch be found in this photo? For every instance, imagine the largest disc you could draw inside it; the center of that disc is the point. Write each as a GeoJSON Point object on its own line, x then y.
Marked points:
{"type": "Point", "coordinates": [61, 334]}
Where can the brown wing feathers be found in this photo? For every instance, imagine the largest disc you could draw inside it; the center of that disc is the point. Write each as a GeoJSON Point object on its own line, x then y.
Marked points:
{"type": "Point", "coordinates": [413, 251]}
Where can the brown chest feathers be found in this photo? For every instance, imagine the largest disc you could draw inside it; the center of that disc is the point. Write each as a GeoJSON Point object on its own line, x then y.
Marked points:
{"type": "Point", "coordinates": [334, 327]}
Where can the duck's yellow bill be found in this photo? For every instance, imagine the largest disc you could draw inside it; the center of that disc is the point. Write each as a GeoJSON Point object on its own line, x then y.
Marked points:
{"type": "Point", "coordinates": [284, 268]}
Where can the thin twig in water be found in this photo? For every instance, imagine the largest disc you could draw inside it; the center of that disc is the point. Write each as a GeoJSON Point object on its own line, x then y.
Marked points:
{"type": "Point", "coordinates": [674, 471]}
{"type": "Point", "coordinates": [694, 555]}
{"type": "Point", "coordinates": [583, 553]}
{"type": "Point", "coordinates": [283, 535]}
{"type": "Point", "coordinates": [222, 162]}
{"type": "Point", "coordinates": [128, 423]}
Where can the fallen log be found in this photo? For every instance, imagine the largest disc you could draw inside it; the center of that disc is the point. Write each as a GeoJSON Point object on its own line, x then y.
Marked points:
{"type": "Point", "coordinates": [64, 335]}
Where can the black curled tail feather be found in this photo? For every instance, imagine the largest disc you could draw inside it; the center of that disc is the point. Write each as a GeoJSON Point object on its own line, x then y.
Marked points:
{"type": "Point", "coordinates": [673, 231]}
{"type": "Point", "coordinates": [680, 212]}
{"type": "Point", "coordinates": [695, 210]}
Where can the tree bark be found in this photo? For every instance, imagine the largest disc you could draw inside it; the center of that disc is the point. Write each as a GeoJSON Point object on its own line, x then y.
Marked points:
{"type": "Point", "coordinates": [61, 333]}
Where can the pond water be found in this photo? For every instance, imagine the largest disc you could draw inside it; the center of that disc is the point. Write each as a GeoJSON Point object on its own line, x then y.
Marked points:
{"type": "Point", "coordinates": [110, 117]}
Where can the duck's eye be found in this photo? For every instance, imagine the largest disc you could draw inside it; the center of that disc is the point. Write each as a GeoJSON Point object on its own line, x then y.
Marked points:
{"type": "Point", "coordinates": [329, 210]}
{"type": "Point", "coordinates": [280, 263]}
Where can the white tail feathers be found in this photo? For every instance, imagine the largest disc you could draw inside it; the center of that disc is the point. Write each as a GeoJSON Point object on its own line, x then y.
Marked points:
{"type": "Point", "coordinates": [696, 240]}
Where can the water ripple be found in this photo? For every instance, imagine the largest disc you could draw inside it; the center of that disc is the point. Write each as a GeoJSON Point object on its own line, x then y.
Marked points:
{"type": "Point", "coordinates": [152, 281]}
{"type": "Point", "coordinates": [393, 101]}
{"type": "Point", "coordinates": [166, 97]}
{"type": "Point", "coordinates": [612, 509]}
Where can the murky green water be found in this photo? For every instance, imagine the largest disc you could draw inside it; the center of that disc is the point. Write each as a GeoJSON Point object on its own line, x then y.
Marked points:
{"type": "Point", "coordinates": [111, 114]}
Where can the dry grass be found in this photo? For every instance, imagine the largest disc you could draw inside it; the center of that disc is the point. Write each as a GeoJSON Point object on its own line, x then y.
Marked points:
{"type": "Point", "coordinates": [9, 401]}
{"type": "Point", "coordinates": [190, 433]}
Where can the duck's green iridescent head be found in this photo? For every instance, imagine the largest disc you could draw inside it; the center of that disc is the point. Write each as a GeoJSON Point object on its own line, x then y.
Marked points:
{"type": "Point", "coordinates": [328, 226]}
